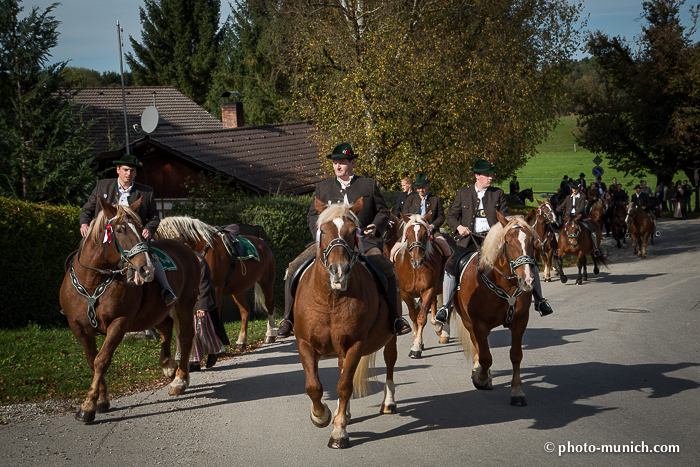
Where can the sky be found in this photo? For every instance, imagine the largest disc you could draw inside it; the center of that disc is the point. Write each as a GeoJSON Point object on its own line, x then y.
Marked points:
{"type": "Point", "coordinates": [89, 32]}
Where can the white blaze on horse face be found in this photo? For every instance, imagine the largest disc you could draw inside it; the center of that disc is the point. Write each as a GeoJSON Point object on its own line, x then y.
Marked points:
{"type": "Point", "coordinates": [529, 270]}
{"type": "Point", "coordinates": [416, 230]}
{"type": "Point", "coordinates": [339, 224]}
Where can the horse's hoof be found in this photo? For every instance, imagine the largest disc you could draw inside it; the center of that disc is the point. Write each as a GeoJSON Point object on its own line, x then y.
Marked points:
{"type": "Point", "coordinates": [488, 386]}
{"type": "Point", "coordinates": [240, 346]}
{"type": "Point", "coordinates": [624, 247]}
{"type": "Point", "coordinates": [579, 282]}
{"type": "Point", "coordinates": [324, 420]}
{"type": "Point", "coordinates": [643, 256]}
{"type": "Point", "coordinates": [547, 279]}
{"type": "Point", "coordinates": [179, 386]}
{"type": "Point", "coordinates": [83, 416]}
{"type": "Point", "coordinates": [422, 347]}
{"type": "Point", "coordinates": [339, 443]}
{"type": "Point", "coordinates": [518, 401]}
{"type": "Point", "coordinates": [270, 339]}
{"type": "Point", "coordinates": [415, 354]}
{"type": "Point", "coordinates": [564, 279]}
{"type": "Point", "coordinates": [596, 270]}
{"type": "Point", "coordinates": [387, 409]}
{"type": "Point", "coordinates": [585, 278]}
{"type": "Point", "coordinates": [103, 407]}
{"type": "Point", "coordinates": [444, 340]}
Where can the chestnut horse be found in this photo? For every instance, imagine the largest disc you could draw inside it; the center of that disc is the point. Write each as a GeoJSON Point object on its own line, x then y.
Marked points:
{"type": "Point", "coordinates": [641, 228]}
{"type": "Point", "coordinates": [575, 240]}
{"type": "Point", "coordinates": [97, 298]}
{"type": "Point", "coordinates": [597, 211]}
{"type": "Point", "coordinates": [419, 268]}
{"type": "Point", "coordinates": [542, 221]}
{"type": "Point", "coordinates": [495, 290]}
{"type": "Point", "coordinates": [391, 235]}
{"type": "Point", "coordinates": [216, 247]}
{"type": "Point", "coordinates": [618, 224]}
{"type": "Point", "coordinates": [338, 313]}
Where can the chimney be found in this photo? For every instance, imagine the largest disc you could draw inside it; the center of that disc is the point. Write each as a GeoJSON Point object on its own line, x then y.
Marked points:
{"type": "Point", "coordinates": [232, 114]}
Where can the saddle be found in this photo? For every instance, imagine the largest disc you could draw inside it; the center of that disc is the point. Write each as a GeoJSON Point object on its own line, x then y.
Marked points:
{"type": "Point", "coordinates": [377, 274]}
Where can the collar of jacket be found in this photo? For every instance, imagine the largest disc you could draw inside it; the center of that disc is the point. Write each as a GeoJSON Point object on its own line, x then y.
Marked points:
{"type": "Point", "coordinates": [352, 180]}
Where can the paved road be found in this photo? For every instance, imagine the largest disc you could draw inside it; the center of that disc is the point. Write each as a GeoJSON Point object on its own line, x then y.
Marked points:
{"type": "Point", "coordinates": [591, 376]}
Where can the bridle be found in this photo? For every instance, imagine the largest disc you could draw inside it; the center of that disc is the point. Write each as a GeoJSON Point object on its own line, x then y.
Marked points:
{"type": "Point", "coordinates": [416, 243]}
{"type": "Point", "coordinates": [521, 260]}
{"type": "Point", "coordinates": [352, 252]}
{"type": "Point", "coordinates": [125, 255]}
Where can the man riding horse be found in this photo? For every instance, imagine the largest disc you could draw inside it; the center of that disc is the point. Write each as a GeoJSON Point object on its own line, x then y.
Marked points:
{"type": "Point", "coordinates": [642, 199]}
{"type": "Point", "coordinates": [471, 216]}
{"type": "Point", "coordinates": [346, 187]}
{"type": "Point", "coordinates": [574, 205]}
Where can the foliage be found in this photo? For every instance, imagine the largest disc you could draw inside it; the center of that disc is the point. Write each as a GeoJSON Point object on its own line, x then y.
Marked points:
{"type": "Point", "coordinates": [35, 241]}
{"type": "Point", "coordinates": [180, 40]}
{"type": "Point", "coordinates": [78, 77]}
{"type": "Point", "coordinates": [44, 150]}
{"type": "Point", "coordinates": [647, 116]}
{"type": "Point", "coordinates": [60, 371]}
{"type": "Point", "coordinates": [431, 86]}
{"type": "Point", "coordinates": [248, 63]}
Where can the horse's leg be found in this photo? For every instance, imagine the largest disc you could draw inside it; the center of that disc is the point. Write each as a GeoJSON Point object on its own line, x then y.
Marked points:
{"type": "Point", "coordinates": [339, 436]}
{"type": "Point", "coordinates": [643, 246]}
{"type": "Point", "coordinates": [428, 299]}
{"type": "Point", "coordinates": [266, 289]}
{"type": "Point", "coordinates": [547, 262]}
{"type": "Point", "coordinates": [391, 354]}
{"type": "Point", "coordinates": [581, 262]}
{"type": "Point", "coordinates": [442, 330]}
{"type": "Point", "coordinates": [560, 264]}
{"type": "Point", "coordinates": [413, 315]}
{"type": "Point", "coordinates": [166, 360]}
{"type": "Point", "coordinates": [634, 243]}
{"type": "Point", "coordinates": [320, 413]}
{"type": "Point", "coordinates": [185, 328]}
{"type": "Point", "coordinates": [585, 268]}
{"type": "Point", "coordinates": [517, 396]}
{"type": "Point", "coordinates": [244, 308]}
{"type": "Point", "coordinates": [481, 374]}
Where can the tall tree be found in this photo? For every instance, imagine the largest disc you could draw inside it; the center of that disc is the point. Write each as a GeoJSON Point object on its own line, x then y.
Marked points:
{"type": "Point", "coordinates": [249, 62]}
{"type": "Point", "coordinates": [180, 43]}
{"type": "Point", "coordinates": [44, 153]}
{"type": "Point", "coordinates": [647, 116]}
{"type": "Point", "coordinates": [431, 85]}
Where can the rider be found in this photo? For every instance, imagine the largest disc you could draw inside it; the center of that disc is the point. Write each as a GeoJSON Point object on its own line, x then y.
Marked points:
{"type": "Point", "coordinates": [124, 191]}
{"type": "Point", "coordinates": [574, 205]}
{"type": "Point", "coordinates": [476, 206]}
{"type": "Point", "coordinates": [407, 190]}
{"type": "Point", "coordinates": [644, 201]}
{"type": "Point", "coordinates": [422, 203]}
{"type": "Point", "coordinates": [514, 186]}
{"type": "Point", "coordinates": [348, 188]}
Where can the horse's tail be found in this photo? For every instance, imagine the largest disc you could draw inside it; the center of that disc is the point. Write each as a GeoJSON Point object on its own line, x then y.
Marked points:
{"type": "Point", "coordinates": [176, 322]}
{"type": "Point", "coordinates": [361, 383]}
{"type": "Point", "coordinates": [260, 298]}
{"type": "Point", "coordinates": [463, 336]}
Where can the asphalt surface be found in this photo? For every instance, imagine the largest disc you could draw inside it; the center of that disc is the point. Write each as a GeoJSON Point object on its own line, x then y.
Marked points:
{"type": "Point", "coordinates": [595, 379]}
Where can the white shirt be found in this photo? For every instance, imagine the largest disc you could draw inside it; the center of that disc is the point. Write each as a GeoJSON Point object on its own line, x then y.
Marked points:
{"type": "Point", "coordinates": [573, 205]}
{"type": "Point", "coordinates": [344, 186]}
{"type": "Point", "coordinates": [481, 224]}
{"type": "Point", "coordinates": [124, 194]}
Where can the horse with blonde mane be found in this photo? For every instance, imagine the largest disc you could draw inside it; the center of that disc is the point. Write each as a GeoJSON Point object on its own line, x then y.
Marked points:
{"type": "Point", "coordinates": [542, 221]}
{"type": "Point", "coordinates": [217, 247]}
{"type": "Point", "coordinates": [339, 313]}
{"type": "Point", "coordinates": [108, 290]}
{"type": "Point", "coordinates": [496, 289]}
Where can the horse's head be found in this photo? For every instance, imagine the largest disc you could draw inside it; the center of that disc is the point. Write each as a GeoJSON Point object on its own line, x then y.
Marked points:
{"type": "Point", "coordinates": [547, 211]}
{"type": "Point", "coordinates": [631, 209]}
{"type": "Point", "coordinates": [527, 194]}
{"type": "Point", "coordinates": [572, 228]}
{"type": "Point", "coordinates": [510, 243]}
{"type": "Point", "coordinates": [417, 239]}
{"type": "Point", "coordinates": [338, 226]}
{"type": "Point", "coordinates": [118, 229]}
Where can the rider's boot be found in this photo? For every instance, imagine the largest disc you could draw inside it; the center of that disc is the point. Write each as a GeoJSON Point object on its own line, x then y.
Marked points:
{"type": "Point", "coordinates": [449, 287]}
{"type": "Point", "coordinates": [167, 293]}
{"type": "Point", "coordinates": [541, 303]}
{"type": "Point", "coordinates": [399, 324]}
{"type": "Point", "coordinates": [286, 326]}
{"type": "Point", "coordinates": [657, 233]}
{"type": "Point", "coordinates": [596, 251]}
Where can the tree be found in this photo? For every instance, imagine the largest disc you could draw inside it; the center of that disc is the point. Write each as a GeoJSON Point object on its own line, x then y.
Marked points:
{"type": "Point", "coordinates": [78, 77]}
{"type": "Point", "coordinates": [646, 118]}
{"type": "Point", "coordinates": [44, 151]}
{"type": "Point", "coordinates": [249, 63]}
{"type": "Point", "coordinates": [180, 44]}
{"type": "Point", "coordinates": [431, 85]}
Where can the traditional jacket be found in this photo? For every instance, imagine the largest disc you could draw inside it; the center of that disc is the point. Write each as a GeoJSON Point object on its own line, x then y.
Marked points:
{"type": "Point", "coordinates": [374, 208]}
{"type": "Point", "coordinates": [108, 190]}
{"type": "Point", "coordinates": [400, 202]}
{"type": "Point", "coordinates": [433, 203]}
{"type": "Point", "coordinates": [466, 204]}
{"type": "Point", "coordinates": [564, 209]}
{"type": "Point", "coordinates": [642, 199]}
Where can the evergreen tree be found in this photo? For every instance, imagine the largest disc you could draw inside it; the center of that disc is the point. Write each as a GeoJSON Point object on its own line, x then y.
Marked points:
{"type": "Point", "coordinates": [180, 43]}
{"type": "Point", "coordinates": [44, 152]}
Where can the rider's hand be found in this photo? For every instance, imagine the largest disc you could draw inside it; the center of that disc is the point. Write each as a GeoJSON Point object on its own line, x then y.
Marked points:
{"type": "Point", "coordinates": [200, 313]}
{"type": "Point", "coordinates": [84, 229]}
{"type": "Point", "coordinates": [463, 231]}
{"type": "Point", "coordinates": [146, 234]}
{"type": "Point", "coordinates": [370, 230]}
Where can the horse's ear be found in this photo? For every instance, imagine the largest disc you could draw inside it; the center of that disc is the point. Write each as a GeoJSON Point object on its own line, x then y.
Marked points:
{"type": "Point", "coordinates": [404, 217]}
{"type": "Point", "coordinates": [501, 218]}
{"type": "Point", "coordinates": [136, 205]}
{"type": "Point", "coordinates": [539, 203]}
{"type": "Point", "coordinates": [357, 207]}
{"type": "Point", "coordinates": [110, 211]}
{"type": "Point", "coordinates": [427, 215]}
{"type": "Point", "coordinates": [578, 218]}
{"type": "Point", "coordinates": [319, 205]}
{"type": "Point", "coordinates": [531, 216]}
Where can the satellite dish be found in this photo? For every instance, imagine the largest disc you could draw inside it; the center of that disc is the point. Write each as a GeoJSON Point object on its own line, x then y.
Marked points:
{"type": "Point", "coordinates": [149, 119]}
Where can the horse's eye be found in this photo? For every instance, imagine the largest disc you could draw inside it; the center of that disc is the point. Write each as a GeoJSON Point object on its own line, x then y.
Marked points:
{"type": "Point", "coordinates": [120, 229]}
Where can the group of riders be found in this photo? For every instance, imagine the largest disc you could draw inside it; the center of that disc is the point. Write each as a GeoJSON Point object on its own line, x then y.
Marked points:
{"type": "Point", "coordinates": [470, 217]}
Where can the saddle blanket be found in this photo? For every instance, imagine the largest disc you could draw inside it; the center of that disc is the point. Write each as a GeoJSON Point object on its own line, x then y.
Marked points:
{"type": "Point", "coordinates": [164, 259]}
{"type": "Point", "coordinates": [248, 250]}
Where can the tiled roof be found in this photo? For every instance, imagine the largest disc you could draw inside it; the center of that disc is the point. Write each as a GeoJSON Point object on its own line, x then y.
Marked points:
{"type": "Point", "coordinates": [266, 158]}
{"type": "Point", "coordinates": [178, 113]}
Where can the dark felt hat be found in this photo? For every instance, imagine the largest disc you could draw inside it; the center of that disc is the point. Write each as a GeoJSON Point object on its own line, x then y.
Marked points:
{"type": "Point", "coordinates": [130, 160]}
{"type": "Point", "coordinates": [575, 184]}
{"type": "Point", "coordinates": [583, 175]}
{"type": "Point", "coordinates": [342, 151]}
{"type": "Point", "coordinates": [422, 180]}
{"type": "Point", "coordinates": [482, 166]}
{"type": "Point", "coordinates": [638, 186]}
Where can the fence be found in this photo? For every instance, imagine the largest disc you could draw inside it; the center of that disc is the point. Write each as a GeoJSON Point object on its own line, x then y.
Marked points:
{"type": "Point", "coordinates": [551, 185]}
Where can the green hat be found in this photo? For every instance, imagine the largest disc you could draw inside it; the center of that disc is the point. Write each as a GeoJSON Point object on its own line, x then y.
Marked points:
{"type": "Point", "coordinates": [575, 184]}
{"type": "Point", "coordinates": [422, 180]}
{"type": "Point", "coordinates": [482, 166]}
{"type": "Point", "coordinates": [342, 151]}
{"type": "Point", "coordinates": [130, 160]}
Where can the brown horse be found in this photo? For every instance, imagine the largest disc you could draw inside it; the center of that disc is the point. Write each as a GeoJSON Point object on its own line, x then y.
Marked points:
{"type": "Point", "coordinates": [641, 229]}
{"type": "Point", "coordinates": [217, 247]}
{"type": "Point", "coordinates": [597, 211]}
{"type": "Point", "coordinates": [97, 298]}
{"type": "Point", "coordinates": [495, 290]}
{"type": "Point", "coordinates": [339, 314]}
{"type": "Point", "coordinates": [419, 268]}
{"type": "Point", "coordinates": [618, 224]}
{"type": "Point", "coordinates": [391, 235]}
{"type": "Point", "coordinates": [542, 221]}
{"type": "Point", "coordinates": [575, 240]}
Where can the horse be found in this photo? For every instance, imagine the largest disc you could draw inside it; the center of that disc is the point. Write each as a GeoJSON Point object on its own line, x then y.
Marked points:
{"type": "Point", "coordinates": [521, 196]}
{"type": "Point", "coordinates": [597, 211]}
{"type": "Point", "coordinates": [618, 224]}
{"type": "Point", "coordinates": [97, 298]}
{"type": "Point", "coordinates": [497, 290]}
{"type": "Point", "coordinates": [542, 221]}
{"type": "Point", "coordinates": [391, 235]}
{"type": "Point", "coordinates": [339, 314]}
{"type": "Point", "coordinates": [217, 246]}
{"type": "Point", "coordinates": [641, 228]}
{"type": "Point", "coordinates": [576, 241]}
{"type": "Point", "coordinates": [419, 268]}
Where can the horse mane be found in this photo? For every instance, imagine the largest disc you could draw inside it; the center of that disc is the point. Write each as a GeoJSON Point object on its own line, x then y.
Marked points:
{"type": "Point", "coordinates": [404, 244]}
{"type": "Point", "coordinates": [188, 229]}
{"type": "Point", "coordinates": [95, 232]}
{"type": "Point", "coordinates": [334, 211]}
{"type": "Point", "coordinates": [493, 243]}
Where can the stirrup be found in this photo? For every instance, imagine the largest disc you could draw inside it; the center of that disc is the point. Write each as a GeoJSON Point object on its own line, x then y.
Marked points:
{"type": "Point", "coordinates": [657, 233]}
{"type": "Point", "coordinates": [401, 326]}
{"type": "Point", "coordinates": [441, 315]}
